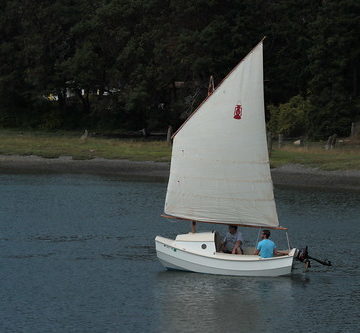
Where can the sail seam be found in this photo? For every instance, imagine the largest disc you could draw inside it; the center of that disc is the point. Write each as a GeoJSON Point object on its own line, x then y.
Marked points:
{"type": "Point", "coordinates": [266, 162]}
{"type": "Point", "coordinates": [233, 180]}
{"type": "Point", "coordinates": [227, 198]}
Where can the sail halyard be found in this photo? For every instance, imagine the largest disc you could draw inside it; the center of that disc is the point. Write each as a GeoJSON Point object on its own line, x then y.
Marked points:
{"type": "Point", "coordinates": [220, 168]}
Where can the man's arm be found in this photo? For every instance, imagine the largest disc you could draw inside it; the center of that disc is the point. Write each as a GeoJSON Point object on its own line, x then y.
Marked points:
{"type": "Point", "coordinates": [222, 246]}
{"type": "Point", "coordinates": [223, 243]}
{"type": "Point", "coordinates": [237, 244]}
{"type": "Point", "coordinates": [257, 250]}
{"type": "Point", "coordinates": [280, 253]}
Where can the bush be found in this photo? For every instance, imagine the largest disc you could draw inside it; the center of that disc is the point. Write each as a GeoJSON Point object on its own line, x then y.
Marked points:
{"type": "Point", "coordinates": [289, 118]}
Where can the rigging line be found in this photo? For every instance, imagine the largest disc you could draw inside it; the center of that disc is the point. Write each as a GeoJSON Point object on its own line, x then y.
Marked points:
{"type": "Point", "coordinates": [218, 86]}
{"type": "Point", "coordinates": [288, 242]}
{"type": "Point", "coordinates": [211, 86]}
{"type": "Point", "coordinates": [257, 239]}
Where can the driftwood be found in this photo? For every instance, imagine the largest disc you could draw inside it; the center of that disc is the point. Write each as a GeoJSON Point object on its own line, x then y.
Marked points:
{"type": "Point", "coordinates": [169, 134]}
{"type": "Point", "coordinates": [355, 129]}
{"type": "Point", "coordinates": [84, 136]}
{"type": "Point", "coordinates": [331, 142]}
{"type": "Point", "coordinates": [144, 132]}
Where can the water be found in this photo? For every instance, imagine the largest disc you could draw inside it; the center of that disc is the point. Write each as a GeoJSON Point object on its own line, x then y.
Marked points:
{"type": "Point", "coordinates": [77, 255]}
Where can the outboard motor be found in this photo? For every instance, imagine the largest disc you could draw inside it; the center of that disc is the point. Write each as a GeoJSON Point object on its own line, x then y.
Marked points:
{"type": "Point", "coordinates": [303, 256]}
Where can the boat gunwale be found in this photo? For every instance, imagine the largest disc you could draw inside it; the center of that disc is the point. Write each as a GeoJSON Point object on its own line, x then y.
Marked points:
{"type": "Point", "coordinates": [236, 257]}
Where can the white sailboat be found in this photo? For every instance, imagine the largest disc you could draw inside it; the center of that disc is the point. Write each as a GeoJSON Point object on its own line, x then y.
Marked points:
{"type": "Point", "coordinates": [220, 174]}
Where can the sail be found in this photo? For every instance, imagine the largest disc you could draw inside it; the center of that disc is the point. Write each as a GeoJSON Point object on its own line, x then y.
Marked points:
{"type": "Point", "coordinates": [219, 166]}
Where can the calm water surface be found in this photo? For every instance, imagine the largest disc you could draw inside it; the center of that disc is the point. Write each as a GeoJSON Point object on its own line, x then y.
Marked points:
{"type": "Point", "coordinates": [77, 255]}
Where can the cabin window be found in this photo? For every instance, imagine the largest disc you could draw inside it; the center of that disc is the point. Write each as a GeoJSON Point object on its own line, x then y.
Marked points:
{"type": "Point", "coordinates": [203, 246]}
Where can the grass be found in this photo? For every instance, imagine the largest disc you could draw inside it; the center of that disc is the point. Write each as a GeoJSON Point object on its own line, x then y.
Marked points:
{"type": "Point", "coordinates": [343, 158]}
{"type": "Point", "coordinates": [52, 145]}
{"type": "Point", "coordinates": [60, 143]}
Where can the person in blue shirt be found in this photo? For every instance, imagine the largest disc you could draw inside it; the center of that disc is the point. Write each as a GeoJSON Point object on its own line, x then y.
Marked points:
{"type": "Point", "coordinates": [266, 248]}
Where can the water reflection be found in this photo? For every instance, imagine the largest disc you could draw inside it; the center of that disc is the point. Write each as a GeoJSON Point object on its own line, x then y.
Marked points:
{"type": "Point", "coordinates": [217, 303]}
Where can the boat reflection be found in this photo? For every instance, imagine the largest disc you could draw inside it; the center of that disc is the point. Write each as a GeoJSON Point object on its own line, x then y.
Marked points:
{"type": "Point", "coordinates": [211, 303]}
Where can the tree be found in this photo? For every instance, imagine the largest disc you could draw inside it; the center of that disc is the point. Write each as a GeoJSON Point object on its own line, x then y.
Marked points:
{"type": "Point", "coordinates": [15, 91]}
{"type": "Point", "coordinates": [335, 67]}
{"type": "Point", "coordinates": [146, 64]}
{"type": "Point", "coordinates": [290, 118]}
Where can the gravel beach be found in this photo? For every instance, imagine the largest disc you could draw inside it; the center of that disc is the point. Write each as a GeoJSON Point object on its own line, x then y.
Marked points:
{"type": "Point", "coordinates": [289, 175]}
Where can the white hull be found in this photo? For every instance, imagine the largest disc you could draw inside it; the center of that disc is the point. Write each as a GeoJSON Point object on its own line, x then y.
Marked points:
{"type": "Point", "coordinates": [189, 255]}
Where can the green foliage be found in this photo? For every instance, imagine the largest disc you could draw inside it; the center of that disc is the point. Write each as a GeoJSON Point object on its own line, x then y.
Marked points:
{"type": "Point", "coordinates": [335, 68]}
{"type": "Point", "coordinates": [289, 118]}
{"type": "Point", "coordinates": [117, 63]}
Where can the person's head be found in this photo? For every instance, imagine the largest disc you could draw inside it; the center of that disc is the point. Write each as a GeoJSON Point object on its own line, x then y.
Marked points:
{"type": "Point", "coordinates": [232, 229]}
{"type": "Point", "coordinates": [265, 234]}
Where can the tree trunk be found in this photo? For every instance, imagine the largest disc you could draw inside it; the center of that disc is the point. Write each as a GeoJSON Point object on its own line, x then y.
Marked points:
{"type": "Point", "coordinates": [269, 143]}
{"type": "Point", "coordinates": [62, 99]}
{"type": "Point", "coordinates": [280, 140]}
{"type": "Point", "coordinates": [84, 100]}
{"type": "Point", "coordinates": [169, 134]}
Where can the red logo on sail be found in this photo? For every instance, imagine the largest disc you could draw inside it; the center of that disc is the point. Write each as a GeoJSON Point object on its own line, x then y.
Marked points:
{"type": "Point", "coordinates": [238, 112]}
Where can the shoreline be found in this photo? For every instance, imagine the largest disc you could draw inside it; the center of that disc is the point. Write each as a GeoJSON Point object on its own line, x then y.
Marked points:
{"type": "Point", "coordinates": [287, 175]}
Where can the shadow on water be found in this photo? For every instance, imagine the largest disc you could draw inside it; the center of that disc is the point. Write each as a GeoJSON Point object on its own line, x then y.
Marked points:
{"type": "Point", "coordinates": [75, 238]}
{"type": "Point", "coordinates": [133, 253]}
{"type": "Point", "coordinates": [90, 247]}
{"type": "Point", "coordinates": [29, 256]}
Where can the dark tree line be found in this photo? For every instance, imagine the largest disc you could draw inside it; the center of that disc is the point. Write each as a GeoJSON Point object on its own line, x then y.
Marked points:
{"type": "Point", "coordinates": [133, 64]}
